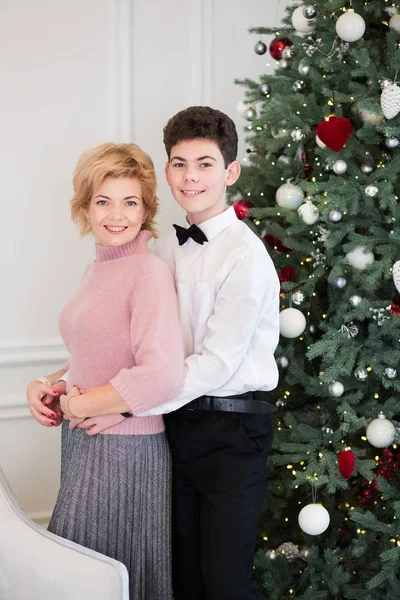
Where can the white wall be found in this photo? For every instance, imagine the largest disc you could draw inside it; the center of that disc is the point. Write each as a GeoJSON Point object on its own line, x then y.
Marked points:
{"type": "Point", "coordinates": [75, 74]}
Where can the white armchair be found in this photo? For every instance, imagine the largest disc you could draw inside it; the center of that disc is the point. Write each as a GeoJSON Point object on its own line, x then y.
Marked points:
{"type": "Point", "coordinates": [38, 565]}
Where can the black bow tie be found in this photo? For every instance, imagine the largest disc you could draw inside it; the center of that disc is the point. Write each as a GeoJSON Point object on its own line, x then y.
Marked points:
{"type": "Point", "coordinates": [193, 232]}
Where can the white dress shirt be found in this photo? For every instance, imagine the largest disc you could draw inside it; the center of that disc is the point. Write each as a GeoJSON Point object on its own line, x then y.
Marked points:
{"type": "Point", "coordinates": [228, 293]}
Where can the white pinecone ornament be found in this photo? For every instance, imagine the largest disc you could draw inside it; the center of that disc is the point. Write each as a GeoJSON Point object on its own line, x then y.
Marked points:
{"type": "Point", "coordinates": [390, 100]}
{"type": "Point", "coordinates": [396, 275]}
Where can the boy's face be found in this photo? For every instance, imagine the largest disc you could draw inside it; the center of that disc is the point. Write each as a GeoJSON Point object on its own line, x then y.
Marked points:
{"type": "Point", "coordinates": [198, 178]}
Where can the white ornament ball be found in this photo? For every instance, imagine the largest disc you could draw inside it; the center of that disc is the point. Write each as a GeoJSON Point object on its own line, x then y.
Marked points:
{"type": "Point", "coordinates": [289, 196]}
{"type": "Point", "coordinates": [283, 63]}
{"type": "Point", "coordinates": [390, 101]}
{"type": "Point", "coordinates": [350, 26]}
{"type": "Point", "coordinates": [394, 22]}
{"type": "Point", "coordinates": [370, 117]}
{"type": "Point", "coordinates": [314, 519]}
{"type": "Point", "coordinates": [360, 258]}
{"type": "Point", "coordinates": [391, 142]}
{"type": "Point", "coordinates": [339, 167]}
{"type": "Point", "coordinates": [300, 23]}
{"type": "Point", "coordinates": [319, 142]}
{"type": "Point", "coordinates": [308, 212]}
{"type": "Point", "coordinates": [336, 389]}
{"type": "Point", "coordinates": [396, 275]}
{"type": "Point", "coordinates": [381, 432]}
{"type": "Point", "coordinates": [292, 323]}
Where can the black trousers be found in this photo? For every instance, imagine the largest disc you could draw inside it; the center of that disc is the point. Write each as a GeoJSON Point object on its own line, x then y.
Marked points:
{"type": "Point", "coordinates": [219, 472]}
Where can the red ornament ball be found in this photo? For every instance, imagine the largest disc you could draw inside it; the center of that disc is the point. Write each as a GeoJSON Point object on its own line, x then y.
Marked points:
{"type": "Point", "coordinates": [276, 243]}
{"type": "Point", "coordinates": [277, 46]}
{"type": "Point", "coordinates": [335, 132]}
{"type": "Point", "coordinates": [241, 208]}
{"type": "Point", "coordinates": [287, 274]}
{"type": "Point", "coordinates": [346, 462]}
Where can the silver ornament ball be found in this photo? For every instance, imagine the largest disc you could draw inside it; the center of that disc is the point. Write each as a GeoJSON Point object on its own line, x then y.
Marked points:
{"type": "Point", "coordinates": [336, 389]}
{"type": "Point", "coordinates": [297, 135]}
{"type": "Point", "coordinates": [361, 374]}
{"type": "Point", "coordinates": [390, 372]}
{"type": "Point", "coordinates": [339, 167]}
{"type": "Point", "coordinates": [283, 63]}
{"type": "Point", "coordinates": [312, 329]}
{"type": "Point", "coordinates": [303, 68]}
{"type": "Point", "coordinates": [326, 430]}
{"type": "Point", "coordinates": [366, 169]}
{"type": "Point", "coordinates": [340, 282]}
{"type": "Point", "coordinates": [335, 215]}
{"type": "Point", "coordinates": [289, 550]}
{"type": "Point", "coordinates": [304, 553]}
{"type": "Point", "coordinates": [288, 52]}
{"type": "Point", "coordinates": [260, 48]}
{"type": "Point", "coordinates": [391, 142]}
{"type": "Point", "coordinates": [299, 85]}
{"type": "Point", "coordinates": [249, 114]}
{"type": "Point", "coordinates": [281, 403]}
{"type": "Point", "coordinates": [309, 11]}
{"type": "Point", "coordinates": [282, 362]}
{"type": "Point", "coordinates": [371, 191]}
{"type": "Point", "coordinates": [271, 554]}
{"type": "Point", "coordinates": [264, 89]}
{"type": "Point", "coordinates": [355, 300]}
{"type": "Point", "coordinates": [297, 297]}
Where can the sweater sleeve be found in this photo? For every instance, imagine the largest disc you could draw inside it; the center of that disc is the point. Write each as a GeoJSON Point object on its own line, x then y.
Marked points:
{"type": "Point", "coordinates": [158, 373]}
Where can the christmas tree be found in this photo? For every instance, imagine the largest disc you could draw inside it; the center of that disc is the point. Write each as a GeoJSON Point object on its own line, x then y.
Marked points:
{"type": "Point", "coordinates": [320, 186]}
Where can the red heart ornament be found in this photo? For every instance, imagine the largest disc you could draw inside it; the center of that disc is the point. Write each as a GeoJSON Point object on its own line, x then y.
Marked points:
{"type": "Point", "coordinates": [335, 132]}
{"type": "Point", "coordinates": [346, 461]}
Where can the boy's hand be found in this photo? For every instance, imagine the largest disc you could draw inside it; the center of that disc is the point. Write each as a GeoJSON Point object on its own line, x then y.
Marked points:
{"type": "Point", "coordinates": [64, 401]}
{"type": "Point", "coordinates": [94, 425]}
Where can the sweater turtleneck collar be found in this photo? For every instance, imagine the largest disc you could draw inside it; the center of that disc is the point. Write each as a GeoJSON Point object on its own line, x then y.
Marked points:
{"type": "Point", "coordinates": [136, 246]}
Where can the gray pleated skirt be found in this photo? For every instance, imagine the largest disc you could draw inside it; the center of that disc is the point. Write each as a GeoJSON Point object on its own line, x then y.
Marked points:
{"type": "Point", "coordinates": [115, 498]}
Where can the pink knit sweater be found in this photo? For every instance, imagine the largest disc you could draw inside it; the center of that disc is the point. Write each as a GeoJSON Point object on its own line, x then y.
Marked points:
{"type": "Point", "coordinates": [122, 327]}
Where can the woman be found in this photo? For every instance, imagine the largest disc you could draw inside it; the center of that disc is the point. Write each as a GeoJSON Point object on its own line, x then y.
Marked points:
{"type": "Point", "coordinates": [122, 332]}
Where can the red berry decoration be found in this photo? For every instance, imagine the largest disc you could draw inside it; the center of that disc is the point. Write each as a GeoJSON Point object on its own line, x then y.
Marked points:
{"type": "Point", "coordinates": [346, 461]}
{"type": "Point", "coordinates": [241, 207]}
{"type": "Point", "coordinates": [277, 46]}
{"type": "Point", "coordinates": [334, 133]}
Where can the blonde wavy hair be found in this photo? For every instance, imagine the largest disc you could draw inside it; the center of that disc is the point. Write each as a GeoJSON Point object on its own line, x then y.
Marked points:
{"type": "Point", "coordinates": [113, 160]}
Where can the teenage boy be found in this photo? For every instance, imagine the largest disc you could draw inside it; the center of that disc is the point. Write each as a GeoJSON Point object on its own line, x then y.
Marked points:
{"type": "Point", "coordinates": [218, 428]}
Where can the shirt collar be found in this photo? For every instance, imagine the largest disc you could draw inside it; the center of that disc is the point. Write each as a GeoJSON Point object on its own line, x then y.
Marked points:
{"type": "Point", "coordinates": [212, 227]}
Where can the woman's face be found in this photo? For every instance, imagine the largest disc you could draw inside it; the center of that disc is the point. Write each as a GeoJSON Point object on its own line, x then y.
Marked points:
{"type": "Point", "coordinates": [116, 211]}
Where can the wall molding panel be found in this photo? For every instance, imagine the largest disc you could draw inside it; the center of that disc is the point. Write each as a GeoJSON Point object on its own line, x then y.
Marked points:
{"type": "Point", "coordinates": [13, 353]}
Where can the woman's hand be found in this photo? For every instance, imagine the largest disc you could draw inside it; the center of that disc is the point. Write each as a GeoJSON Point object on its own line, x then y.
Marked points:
{"type": "Point", "coordinates": [43, 402]}
{"type": "Point", "coordinates": [64, 402]}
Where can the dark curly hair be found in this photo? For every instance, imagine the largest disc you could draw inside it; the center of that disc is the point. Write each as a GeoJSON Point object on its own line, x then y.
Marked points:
{"type": "Point", "coordinates": [203, 122]}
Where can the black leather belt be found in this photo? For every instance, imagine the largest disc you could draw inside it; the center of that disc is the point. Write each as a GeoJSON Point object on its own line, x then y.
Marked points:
{"type": "Point", "coordinates": [242, 403]}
